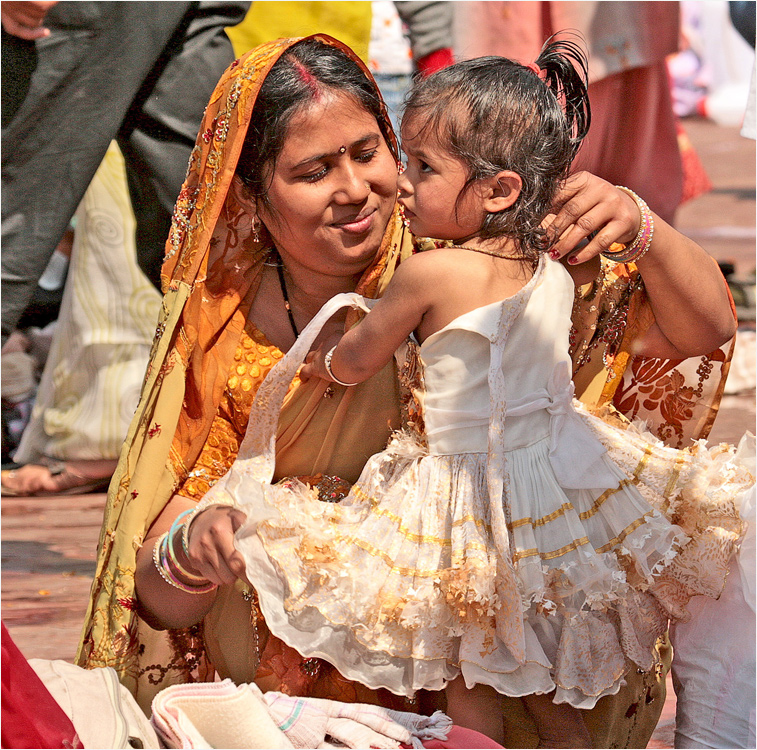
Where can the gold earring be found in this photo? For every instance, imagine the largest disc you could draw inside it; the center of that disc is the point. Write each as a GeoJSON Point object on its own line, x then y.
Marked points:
{"type": "Point", "coordinates": [256, 224]}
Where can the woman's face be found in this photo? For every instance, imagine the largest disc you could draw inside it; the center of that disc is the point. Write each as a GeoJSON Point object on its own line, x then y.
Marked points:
{"type": "Point", "coordinates": [333, 188]}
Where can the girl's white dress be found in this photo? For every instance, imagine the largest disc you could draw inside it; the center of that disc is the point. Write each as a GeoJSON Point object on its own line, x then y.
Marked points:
{"type": "Point", "coordinates": [519, 540]}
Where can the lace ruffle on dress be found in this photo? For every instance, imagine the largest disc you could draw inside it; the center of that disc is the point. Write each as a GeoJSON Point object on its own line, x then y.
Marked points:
{"type": "Point", "coordinates": [520, 540]}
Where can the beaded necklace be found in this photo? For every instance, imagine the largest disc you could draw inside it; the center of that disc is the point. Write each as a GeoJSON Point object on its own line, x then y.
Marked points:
{"type": "Point", "coordinates": [282, 284]}
{"type": "Point", "coordinates": [275, 261]}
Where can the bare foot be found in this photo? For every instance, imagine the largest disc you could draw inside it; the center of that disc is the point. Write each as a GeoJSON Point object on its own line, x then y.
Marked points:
{"type": "Point", "coordinates": [58, 478]}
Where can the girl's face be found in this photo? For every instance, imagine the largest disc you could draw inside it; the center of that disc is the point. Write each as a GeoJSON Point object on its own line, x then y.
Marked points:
{"type": "Point", "coordinates": [333, 188]}
{"type": "Point", "coordinates": [430, 187]}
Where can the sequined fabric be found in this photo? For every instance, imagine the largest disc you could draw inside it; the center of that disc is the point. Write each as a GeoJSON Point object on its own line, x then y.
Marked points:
{"type": "Point", "coordinates": [252, 361]}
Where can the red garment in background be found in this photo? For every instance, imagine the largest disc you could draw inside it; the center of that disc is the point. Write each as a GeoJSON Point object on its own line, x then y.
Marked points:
{"type": "Point", "coordinates": [31, 718]}
{"type": "Point", "coordinates": [633, 138]}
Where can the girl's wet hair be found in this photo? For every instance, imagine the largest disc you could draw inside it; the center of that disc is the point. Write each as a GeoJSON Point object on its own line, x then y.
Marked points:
{"type": "Point", "coordinates": [495, 114]}
{"type": "Point", "coordinates": [306, 72]}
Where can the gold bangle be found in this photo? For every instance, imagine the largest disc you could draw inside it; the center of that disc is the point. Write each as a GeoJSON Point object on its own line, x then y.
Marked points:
{"type": "Point", "coordinates": [643, 240]}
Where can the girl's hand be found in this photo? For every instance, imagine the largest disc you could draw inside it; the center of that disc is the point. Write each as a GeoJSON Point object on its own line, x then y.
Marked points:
{"type": "Point", "coordinates": [315, 366]}
{"type": "Point", "coordinates": [211, 544]}
{"type": "Point", "coordinates": [588, 205]}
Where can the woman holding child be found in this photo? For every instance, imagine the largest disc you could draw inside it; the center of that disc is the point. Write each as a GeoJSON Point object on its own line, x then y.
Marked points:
{"type": "Point", "coordinates": [290, 199]}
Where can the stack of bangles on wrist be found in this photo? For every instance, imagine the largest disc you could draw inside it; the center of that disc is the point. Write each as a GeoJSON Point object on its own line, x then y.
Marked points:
{"type": "Point", "coordinates": [167, 563]}
{"type": "Point", "coordinates": [327, 364]}
{"type": "Point", "coordinates": [638, 248]}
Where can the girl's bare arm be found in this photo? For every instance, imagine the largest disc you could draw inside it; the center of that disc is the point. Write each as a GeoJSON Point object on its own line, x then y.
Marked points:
{"type": "Point", "coordinates": [367, 347]}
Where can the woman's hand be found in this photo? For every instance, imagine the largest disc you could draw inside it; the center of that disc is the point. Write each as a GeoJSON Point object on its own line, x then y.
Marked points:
{"type": "Point", "coordinates": [588, 207]}
{"type": "Point", "coordinates": [684, 286]}
{"type": "Point", "coordinates": [212, 555]}
{"type": "Point", "coordinates": [211, 544]}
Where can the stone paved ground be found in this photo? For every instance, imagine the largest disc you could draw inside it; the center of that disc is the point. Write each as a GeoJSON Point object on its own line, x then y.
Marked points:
{"type": "Point", "coordinates": [49, 544]}
{"type": "Point", "coordinates": [49, 549]}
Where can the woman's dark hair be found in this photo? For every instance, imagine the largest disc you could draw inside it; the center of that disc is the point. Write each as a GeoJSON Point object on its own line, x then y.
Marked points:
{"type": "Point", "coordinates": [495, 114]}
{"type": "Point", "coordinates": [301, 75]}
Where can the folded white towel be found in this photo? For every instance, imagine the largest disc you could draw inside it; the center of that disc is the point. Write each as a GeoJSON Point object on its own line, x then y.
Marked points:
{"type": "Point", "coordinates": [225, 715]}
{"type": "Point", "coordinates": [215, 715]}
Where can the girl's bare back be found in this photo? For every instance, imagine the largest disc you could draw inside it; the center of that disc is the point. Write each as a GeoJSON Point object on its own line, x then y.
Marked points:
{"type": "Point", "coordinates": [453, 281]}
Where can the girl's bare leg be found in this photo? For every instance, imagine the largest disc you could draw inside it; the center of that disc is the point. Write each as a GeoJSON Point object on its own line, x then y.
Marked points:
{"type": "Point", "coordinates": [558, 724]}
{"type": "Point", "coordinates": [478, 708]}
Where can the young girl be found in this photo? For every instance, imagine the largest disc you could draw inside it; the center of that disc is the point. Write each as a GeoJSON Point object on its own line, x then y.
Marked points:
{"type": "Point", "coordinates": [510, 543]}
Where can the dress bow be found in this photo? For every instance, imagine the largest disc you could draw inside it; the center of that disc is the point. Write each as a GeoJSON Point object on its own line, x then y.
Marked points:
{"type": "Point", "coordinates": [574, 452]}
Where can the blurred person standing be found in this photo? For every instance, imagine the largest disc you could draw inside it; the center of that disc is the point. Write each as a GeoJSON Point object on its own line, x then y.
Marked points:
{"type": "Point", "coordinates": [390, 57]}
{"type": "Point", "coordinates": [407, 38]}
{"type": "Point", "coordinates": [84, 74]}
{"type": "Point", "coordinates": [395, 39]}
{"type": "Point", "coordinates": [633, 140]}
{"type": "Point", "coordinates": [714, 668]}
{"type": "Point", "coordinates": [94, 371]}
{"type": "Point", "coordinates": [81, 74]}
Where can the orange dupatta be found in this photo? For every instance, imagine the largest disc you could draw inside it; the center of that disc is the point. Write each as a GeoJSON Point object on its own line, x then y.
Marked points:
{"type": "Point", "coordinates": [210, 277]}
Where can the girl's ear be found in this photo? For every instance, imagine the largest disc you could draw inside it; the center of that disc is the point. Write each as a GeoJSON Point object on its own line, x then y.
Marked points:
{"type": "Point", "coordinates": [501, 191]}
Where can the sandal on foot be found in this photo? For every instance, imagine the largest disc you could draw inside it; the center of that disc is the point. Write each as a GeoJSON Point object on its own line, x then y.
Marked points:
{"type": "Point", "coordinates": [62, 479]}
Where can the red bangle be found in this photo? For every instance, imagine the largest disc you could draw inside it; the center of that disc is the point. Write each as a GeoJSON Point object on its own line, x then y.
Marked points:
{"type": "Point", "coordinates": [435, 60]}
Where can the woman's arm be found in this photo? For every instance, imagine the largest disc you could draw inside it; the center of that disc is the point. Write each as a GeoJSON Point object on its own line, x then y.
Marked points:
{"type": "Point", "coordinates": [368, 346]}
{"type": "Point", "coordinates": [686, 289]}
{"type": "Point", "coordinates": [211, 555]}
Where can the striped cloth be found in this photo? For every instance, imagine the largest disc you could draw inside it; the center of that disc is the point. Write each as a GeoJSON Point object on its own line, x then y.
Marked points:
{"type": "Point", "coordinates": [222, 714]}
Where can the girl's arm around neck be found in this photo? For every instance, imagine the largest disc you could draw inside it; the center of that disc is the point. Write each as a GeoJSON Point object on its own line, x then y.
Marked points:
{"type": "Point", "coordinates": [367, 347]}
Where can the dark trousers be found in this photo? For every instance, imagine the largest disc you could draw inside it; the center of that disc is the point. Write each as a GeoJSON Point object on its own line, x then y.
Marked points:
{"type": "Point", "coordinates": [138, 72]}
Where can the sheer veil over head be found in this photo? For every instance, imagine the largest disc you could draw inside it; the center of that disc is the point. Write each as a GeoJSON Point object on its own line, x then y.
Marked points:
{"type": "Point", "coordinates": [210, 277]}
